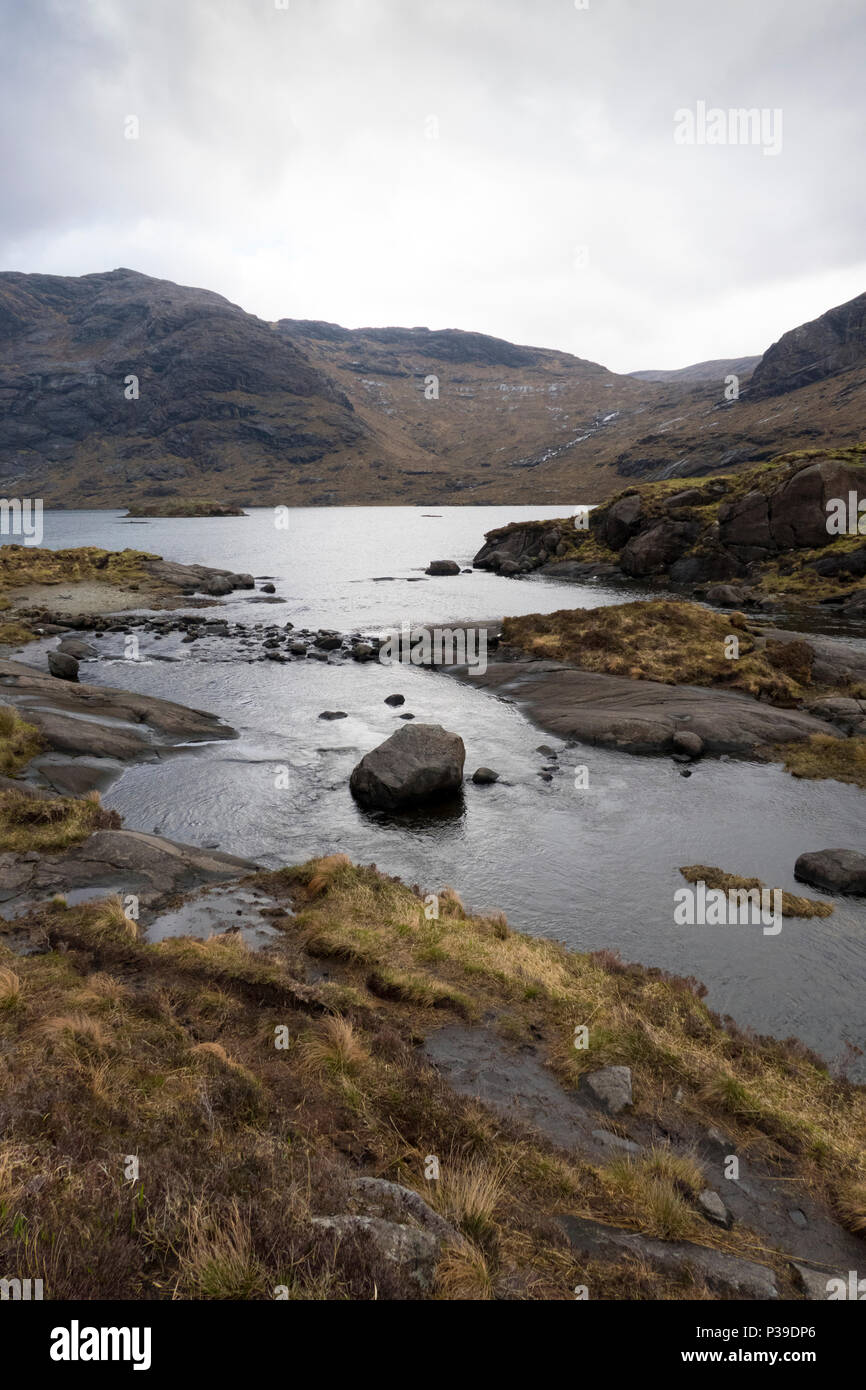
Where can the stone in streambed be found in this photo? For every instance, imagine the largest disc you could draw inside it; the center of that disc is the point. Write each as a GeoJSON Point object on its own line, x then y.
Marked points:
{"type": "Point", "coordinates": [835, 870]}
{"type": "Point", "coordinates": [64, 667]}
{"type": "Point", "coordinates": [692, 745]}
{"type": "Point", "coordinates": [75, 647]}
{"type": "Point", "coordinates": [418, 763]}
{"type": "Point", "coordinates": [484, 776]}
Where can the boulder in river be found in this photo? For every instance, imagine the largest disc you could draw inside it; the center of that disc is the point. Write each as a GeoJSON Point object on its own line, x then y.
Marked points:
{"type": "Point", "coordinates": [420, 762]}
{"type": "Point", "coordinates": [74, 646]}
{"type": "Point", "coordinates": [442, 567]}
{"type": "Point", "coordinates": [835, 870]}
{"type": "Point", "coordinates": [484, 776]}
{"type": "Point", "coordinates": [63, 666]}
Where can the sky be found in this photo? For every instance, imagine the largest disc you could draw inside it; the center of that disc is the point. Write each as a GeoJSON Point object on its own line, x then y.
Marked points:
{"type": "Point", "coordinates": [534, 169]}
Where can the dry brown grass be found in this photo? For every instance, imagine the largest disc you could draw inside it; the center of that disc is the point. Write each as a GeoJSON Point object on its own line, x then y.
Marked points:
{"type": "Point", "coordinates": [851, 1204]}
{"type": "Point", "coordinates": [74, 1031]}
{"type": "Point", "coordinates": [464, 1274]}
{"type": "Point", "coordinates": [822, 756]}
{"type": "Point", "coordinates": [51, 823]}
{"type": "Point", "coordinates": [668, 640]}
{"type": "Point", "coordinates": [333, 1045]}
{"type": "Point", "coordinates": [242, 1143]}
{"type": "Point", "coordinates": [19, 741]}
{"type": "Point", "coordinates": [10, 987]}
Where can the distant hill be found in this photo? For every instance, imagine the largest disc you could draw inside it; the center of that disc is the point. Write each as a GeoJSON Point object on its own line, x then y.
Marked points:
{"type": "Point", "coordinates": [715, 370]}
{"type": "Point", "coordinates": [117, 388]}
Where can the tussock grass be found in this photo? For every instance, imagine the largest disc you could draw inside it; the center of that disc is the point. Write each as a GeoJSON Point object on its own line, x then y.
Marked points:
{"type": "Point", "coordinates": [468, 1193]}
{"type": "Point", "coordinates": [21, 565]}
{"type": "Point", "coordinates": [51, 823]}
{"type": "Point", "coordinates": [792, 904]}
{"type": "Point", "coordinates": [851, 1204]}
{"type": "Point", "coordinates": [19, 741]}
{"type": "Point", "coordinates": [74, 1031]}
{"type": "Point", "coordinates": [666, 640]}
{"type": "Point", "coordinates": [821, 756]}
{"type": "Point", "coordinates": [10, 988]}
{"type": "Point", "coordinates": [464, 1274]}
{"type": "Point", "coordinates": [653, 1189]}
{"type": "Point", "coordinates": [333, 1045]}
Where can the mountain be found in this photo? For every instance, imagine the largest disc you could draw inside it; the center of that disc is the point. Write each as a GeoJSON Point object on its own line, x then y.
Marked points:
{"type": "Point", "coordinates": [238, 410]}
{"type": "Point", "coordinates": [826, 347]}
{"type": "Point", "coordinates": [715, 370]}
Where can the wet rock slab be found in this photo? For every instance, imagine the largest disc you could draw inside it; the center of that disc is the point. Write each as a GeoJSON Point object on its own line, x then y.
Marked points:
{"type": "Point", "coordinates": [640, 716]}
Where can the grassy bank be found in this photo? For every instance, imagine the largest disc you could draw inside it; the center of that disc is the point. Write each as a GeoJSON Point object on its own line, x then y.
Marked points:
{"type": "Point", "coordinates": [113, 1048]}
{"type": "Point", "coordinates": [24, 566]}
{"type": "Point", "coordinates": [19, 741]}
{"type": "Point", "coordinates": [676, 642]}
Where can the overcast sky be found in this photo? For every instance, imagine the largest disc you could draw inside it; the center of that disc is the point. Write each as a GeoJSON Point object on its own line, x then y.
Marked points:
{"type": "Point", "coordinates": [443, 162]}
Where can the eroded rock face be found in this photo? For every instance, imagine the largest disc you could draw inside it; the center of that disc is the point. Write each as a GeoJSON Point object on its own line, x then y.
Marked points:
{"type": "Point", "coordinates": [420, 762]}
{"type": "Point", "coordinates": [116, 860]}
{"type": "Point", "coordinates": [119, 726]}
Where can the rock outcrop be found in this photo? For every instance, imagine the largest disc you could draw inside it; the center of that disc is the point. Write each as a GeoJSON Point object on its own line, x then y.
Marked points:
{"type": "Point", "coordinates": [828, 345]}
{"type": "Point", "coordinates": [643, 716]}
{"type": "Point", "coordinates": [91, 731]}
{"type": "Point", "coordinates": [727, 529]}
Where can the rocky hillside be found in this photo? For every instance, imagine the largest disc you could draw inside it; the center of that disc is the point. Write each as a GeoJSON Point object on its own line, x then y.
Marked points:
{"type": "Point", "coordinates": [833, 344]}
{"type": "Point", "coordinates": [749, 537]}
{"type": "Point", "coordinates": [117, 388]}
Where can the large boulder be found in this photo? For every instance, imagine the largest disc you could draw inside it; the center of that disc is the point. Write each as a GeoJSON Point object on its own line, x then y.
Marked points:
{"type": "Point", "coordinates": [835, 870]}
{"type": "Point", "coordinates": [63, 666]}
{"type": "Point", "coordinates": [745, 523]}
{"type": "Point", "coordinates": [657, 547]}
{"type": "Point", "coordinates": [798, 509]}
{"type": "Point", "coordinates": [420, 762]}
{"type": "Point", "coordinates": [620, 521]}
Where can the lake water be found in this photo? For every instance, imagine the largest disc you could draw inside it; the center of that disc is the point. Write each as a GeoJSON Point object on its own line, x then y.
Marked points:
{"type": "Point", "coordinates": [594, 868]}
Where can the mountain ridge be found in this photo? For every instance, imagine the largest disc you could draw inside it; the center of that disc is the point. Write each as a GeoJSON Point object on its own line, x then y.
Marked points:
{"type": "Point", "coordinates": [118, 387]}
